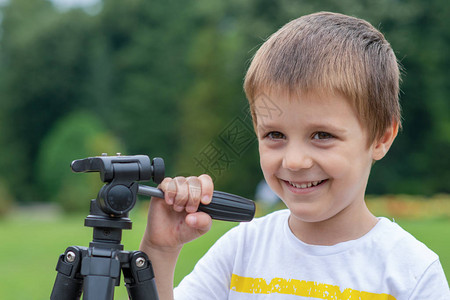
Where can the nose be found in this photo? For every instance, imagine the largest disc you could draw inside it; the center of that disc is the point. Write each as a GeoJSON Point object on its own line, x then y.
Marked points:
{"type": "Point", "coordinates": [296, 158]}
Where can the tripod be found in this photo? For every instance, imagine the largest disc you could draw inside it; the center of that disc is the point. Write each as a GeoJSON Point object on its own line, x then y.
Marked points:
{"type": "Point", "coordinates": [94, 271]}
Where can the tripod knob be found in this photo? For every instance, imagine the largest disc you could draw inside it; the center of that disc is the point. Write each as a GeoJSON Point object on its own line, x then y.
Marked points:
{"type": "Point", "coordinates": [117, 199]}
{"type": "Point", "coordinates": [158, 170]}
{"type": "Point", "coordinates": [120, 199]}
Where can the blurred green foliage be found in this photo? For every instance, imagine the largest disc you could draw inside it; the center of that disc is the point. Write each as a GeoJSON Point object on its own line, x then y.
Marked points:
{"type": "Point", "coordinates": [6, 199]}
{"type": "Point", "coordinates": [77, 136]}
{"type": "Point", "coordinates": [165, 79]}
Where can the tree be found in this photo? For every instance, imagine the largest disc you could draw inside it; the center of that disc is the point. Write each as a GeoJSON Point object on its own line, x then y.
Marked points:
{"type": "Point", "coordinates": [143, 46]}
{"type": "Point", "coordinates": [77, 136]}
{"type": "Point", "coordinates": [43, 60]}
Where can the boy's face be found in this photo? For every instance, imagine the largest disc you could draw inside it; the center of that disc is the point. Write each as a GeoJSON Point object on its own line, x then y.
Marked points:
{"type": "Point", "coordinates": [314, 154]}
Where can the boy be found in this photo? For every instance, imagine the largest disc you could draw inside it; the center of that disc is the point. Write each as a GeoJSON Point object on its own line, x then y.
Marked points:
{"type": "Point", "coordinates": [335, 81]}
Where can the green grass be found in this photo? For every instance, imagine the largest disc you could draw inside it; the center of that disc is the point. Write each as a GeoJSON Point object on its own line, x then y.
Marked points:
{"type": "Point", "coordinates": [30, 247]}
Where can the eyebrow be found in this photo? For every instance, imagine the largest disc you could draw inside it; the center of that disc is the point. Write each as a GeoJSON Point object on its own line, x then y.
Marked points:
{"type": "Point", "coordinates": [314, 126]}
{"type": "Point", "coordinates": [260, 127]}
{"type": "Point", "coordinates": [328, 127]}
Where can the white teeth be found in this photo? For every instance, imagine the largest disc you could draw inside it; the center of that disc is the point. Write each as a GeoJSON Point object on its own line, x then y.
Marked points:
{"type": "Point", "coordinates": [305, 185]}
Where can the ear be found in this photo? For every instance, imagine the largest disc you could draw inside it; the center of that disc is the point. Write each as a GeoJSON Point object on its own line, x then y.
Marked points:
{"type": "Point", "coordinates": [382, 145]}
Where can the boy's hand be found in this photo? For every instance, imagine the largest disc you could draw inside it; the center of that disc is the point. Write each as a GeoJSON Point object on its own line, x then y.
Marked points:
{"type": "Point", "coordinates": [174, 220]}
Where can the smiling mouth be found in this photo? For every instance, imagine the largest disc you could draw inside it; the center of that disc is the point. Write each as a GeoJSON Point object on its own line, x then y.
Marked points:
{"type": "Point", "coordinates": [305, 185]}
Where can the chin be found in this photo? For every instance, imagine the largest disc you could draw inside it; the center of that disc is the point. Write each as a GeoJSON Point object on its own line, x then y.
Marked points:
{"type": "Point", "coordinates": [305, 216]}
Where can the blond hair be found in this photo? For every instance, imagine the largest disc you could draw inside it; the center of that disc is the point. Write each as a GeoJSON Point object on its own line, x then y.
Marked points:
{"type": "Point", "coordinates": [329, 52]}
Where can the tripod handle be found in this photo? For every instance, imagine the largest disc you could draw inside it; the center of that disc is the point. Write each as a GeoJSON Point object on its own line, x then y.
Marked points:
{"type": "Point", "coordinates": [223, 206]}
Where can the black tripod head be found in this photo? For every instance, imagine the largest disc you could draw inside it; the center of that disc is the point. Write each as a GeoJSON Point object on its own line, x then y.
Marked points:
{"type": "Point", "coordinates": [121, 173]}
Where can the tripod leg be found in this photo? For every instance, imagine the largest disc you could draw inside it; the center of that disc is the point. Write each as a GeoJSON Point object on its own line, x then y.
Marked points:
{"type": "Point", "coordinates": [139, 277]}
{"type": "Point", "coordinates": [98, 288]}
{"type": "Point", "coordinates": [101, 271]}
{"type": "Point", "coordinates": [68, 284]}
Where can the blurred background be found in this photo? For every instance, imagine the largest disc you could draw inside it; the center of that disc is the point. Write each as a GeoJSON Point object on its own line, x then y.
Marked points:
{"type": "Point", "coordinates": [164, 78]}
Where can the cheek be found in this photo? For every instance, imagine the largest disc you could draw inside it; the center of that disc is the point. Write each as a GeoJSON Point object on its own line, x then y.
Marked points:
{"type": "Point", "coordinates": [266, 166]}
{"type": "Point", "coordinates": [348, 167]}
{"type": "Point", "coordinates": [336, 165]}
{"type": "Point", "coordinates": [267, 159]}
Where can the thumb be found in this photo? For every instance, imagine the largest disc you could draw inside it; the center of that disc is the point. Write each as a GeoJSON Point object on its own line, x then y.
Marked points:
{"type": "Point", "coordinates": [200, 221]}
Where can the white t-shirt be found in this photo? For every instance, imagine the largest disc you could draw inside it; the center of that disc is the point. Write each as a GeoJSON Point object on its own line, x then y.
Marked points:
{"type": "Point", "coordinates": [264, 260]}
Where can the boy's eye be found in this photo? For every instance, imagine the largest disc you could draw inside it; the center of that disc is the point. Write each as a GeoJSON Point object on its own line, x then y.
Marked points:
{"type": "Point", "coordinates": [275, 135]}
{"type": "Point", "coordinates": [322, 136]}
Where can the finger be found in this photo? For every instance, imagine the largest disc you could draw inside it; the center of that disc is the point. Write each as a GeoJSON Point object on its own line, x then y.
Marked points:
{"type": "Point", "coordinates": [182, 194]}
{"type": "Point", "coordinates": [169, 187]}
{"type": "Point", "coordinates": [195, 193]}
{"type": "Point", "coordinates": [200, 221]}
{"type": "Point", "coordinates": [207, 188]}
